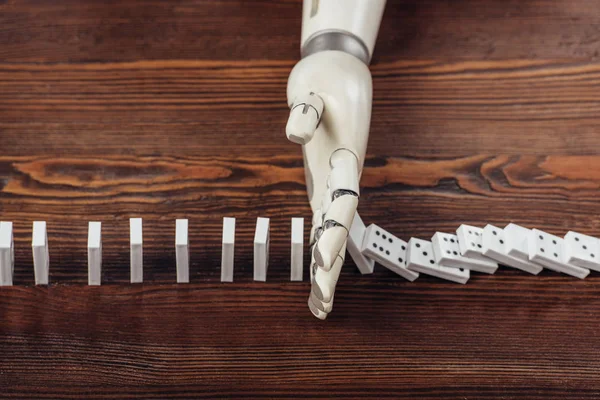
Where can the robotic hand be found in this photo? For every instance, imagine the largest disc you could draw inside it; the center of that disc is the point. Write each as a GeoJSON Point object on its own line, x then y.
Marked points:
{"type": "Point", "coordinates": [329, 93]}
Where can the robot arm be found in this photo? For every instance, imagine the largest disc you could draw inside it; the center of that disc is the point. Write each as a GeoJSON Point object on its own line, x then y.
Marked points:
{"type": "Point", "coordinates": [329, 93]}
{"type": "Point", "coordinates": [345, 25]}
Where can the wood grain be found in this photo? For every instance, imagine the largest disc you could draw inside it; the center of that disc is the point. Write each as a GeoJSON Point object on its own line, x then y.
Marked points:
{"type": "Point", "coordinates": [484, 112]}
{"type": "Point", "coordinates": [75, 31]}
{"type": "Point", "coordinates": [185, 108]}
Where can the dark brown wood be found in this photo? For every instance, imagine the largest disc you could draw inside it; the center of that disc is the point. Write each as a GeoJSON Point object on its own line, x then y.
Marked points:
{"type": "Point", "coordinates": [94, 31]}
{"type": "Point", "coordinates": [484, 112]}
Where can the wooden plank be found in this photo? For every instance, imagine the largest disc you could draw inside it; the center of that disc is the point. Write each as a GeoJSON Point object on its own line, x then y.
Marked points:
{"type": "Point", "coordinates": [76, 31]}
{"type": "Point", "coordinates": [421, 108]}
{"type": "Point", "coordinates": [503, 317]}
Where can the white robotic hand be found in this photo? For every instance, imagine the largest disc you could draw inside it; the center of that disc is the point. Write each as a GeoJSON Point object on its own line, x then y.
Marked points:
{"type": "Point", "coordinates": [330, 96]}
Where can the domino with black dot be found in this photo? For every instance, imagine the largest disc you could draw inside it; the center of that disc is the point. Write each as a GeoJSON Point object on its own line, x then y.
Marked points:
{"type": "Point", "coordinates": [387, 250]}
{"type": "Point", "coordinates": [420, 256]}
{"type": "Point", "coordinates": [448, 253]}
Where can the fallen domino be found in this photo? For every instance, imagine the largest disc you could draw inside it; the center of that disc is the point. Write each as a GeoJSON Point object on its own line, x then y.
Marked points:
{"type": "Point", "coordinates": [448, 253]}
{"type": "Point", "coordinates": [261, 249]}
{"type": "Point", "coordinates": [182, 252]}
{"type": "Point", "coordinates": [356, 236]}
{"type": "Point", "coordinates": [94, 253]}
{"type": "Point", "coordinates": [136, 250]}
{"type": "Point", "coordinates": [471, 246]}
{"type": "Point", "coordinates": [41, 261]}
{"type": "Point", "coordinates": [388, 250]}
{"type": "Point", "coordinates": [582, 250]}
{"type": "Point", "coordinates": [493, 242]}
{"type": "Point", "coordinates": [7, 254]}
{"type": "Point", "coordinates": [516, 240]}
{"type": "Point", "coordinates": [547, 249]}
{"type": "Point", "coordinates": [421, 258]}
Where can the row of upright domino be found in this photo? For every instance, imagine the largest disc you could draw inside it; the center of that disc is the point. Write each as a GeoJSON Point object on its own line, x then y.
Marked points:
{"type": "Point", "coordinates": [41, 259]}
{"type": "Point", "coordinates": [452, 256]}
{"type": "Point", "coordinates": [449, 256]}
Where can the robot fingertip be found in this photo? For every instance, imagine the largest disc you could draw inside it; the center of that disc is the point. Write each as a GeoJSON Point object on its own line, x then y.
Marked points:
{"type": "Point", "coordinates": [316, 312]}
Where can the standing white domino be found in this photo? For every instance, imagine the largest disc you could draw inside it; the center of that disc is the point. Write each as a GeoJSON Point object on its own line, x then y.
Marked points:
{"type": "Point", "coordinates": [182, 251]}
{"type": "Point", "coordinates": [421, 259]}
{"type": "Point", "coordinates": [297, 251]}
{"type": "Point", "coordinates": [136, 250]}
{"type": "Point", "coordinates": [446, 249]}
{"type": "Point", "coordinates": [94, 253]}
{"type": "Point", "coordinates": [388, 250]}
{"type": "Point", "coordinates": [261, 249]}
{"type": "Point", "coordinates": [41, 260]}
{"type": "Point", "coordinates": [227, 250]}
{"type": "Point", "coordinates": [582, 250]}
{"type": "Point", "coordinates": [7, 254]}
{"type": "Point", "coordinates": [493, 241]}
{"type": "Point", "coordinates": [547, 250]}
{"type": "Point", "coordinates": [356, 236]}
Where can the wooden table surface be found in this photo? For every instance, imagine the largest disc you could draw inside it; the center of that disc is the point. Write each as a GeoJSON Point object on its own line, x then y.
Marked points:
{"type": "Point", "coordinates": [485, 111]}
